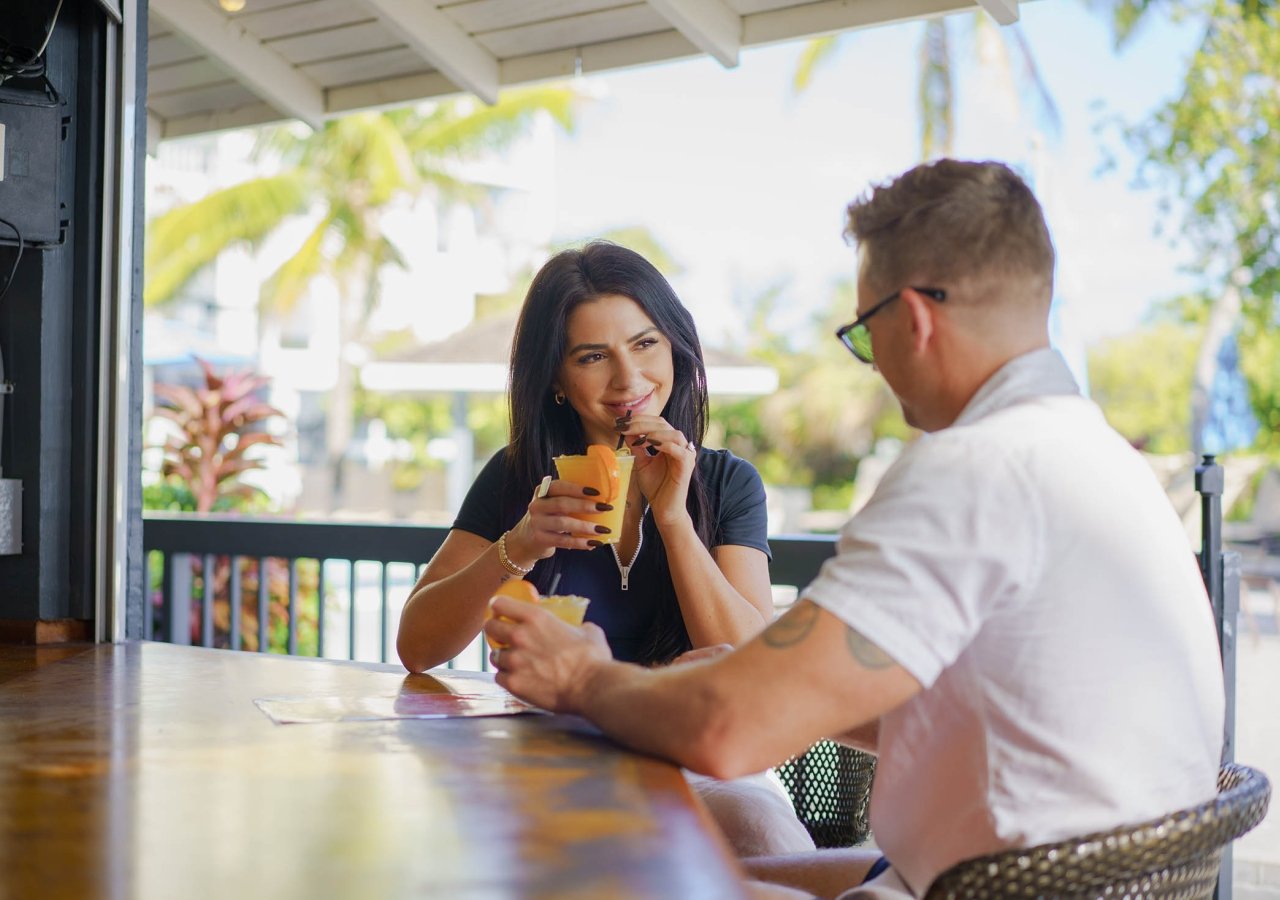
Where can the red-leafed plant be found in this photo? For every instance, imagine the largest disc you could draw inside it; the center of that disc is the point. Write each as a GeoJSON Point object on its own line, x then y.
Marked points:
{"type": "Point", "coordinates": [204, 459]}
{"type": "Point", "coordinates": [207, 453]}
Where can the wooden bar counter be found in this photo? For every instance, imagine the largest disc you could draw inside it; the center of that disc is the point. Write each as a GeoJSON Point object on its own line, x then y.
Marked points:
{"type": "Point", "coordinates": [146, 770]}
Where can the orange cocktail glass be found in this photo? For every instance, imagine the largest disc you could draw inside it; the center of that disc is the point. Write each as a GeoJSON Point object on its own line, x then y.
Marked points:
{"type": "Point", "coordinates": [609, 472]}
{"type": "Point", "coordinates": [565, 607]}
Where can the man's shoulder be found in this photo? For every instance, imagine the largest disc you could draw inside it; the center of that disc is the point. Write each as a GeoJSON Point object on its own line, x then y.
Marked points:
{"type": "Point", "coordinates": [1033, 428]}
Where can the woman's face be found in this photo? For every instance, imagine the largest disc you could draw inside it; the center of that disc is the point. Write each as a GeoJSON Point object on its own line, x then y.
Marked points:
{"type": "Point", "coordinates": [616, 360]}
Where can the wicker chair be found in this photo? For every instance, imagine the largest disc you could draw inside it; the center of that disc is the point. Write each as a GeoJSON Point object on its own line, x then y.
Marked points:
{"type": "Point", "coordinates": [830, 785]}
{"type": "Point", "coordinates": [1176, 856]}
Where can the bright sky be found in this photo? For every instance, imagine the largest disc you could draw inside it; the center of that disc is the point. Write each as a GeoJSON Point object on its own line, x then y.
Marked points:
{"type": "Point", "coordinates": [746, 184]}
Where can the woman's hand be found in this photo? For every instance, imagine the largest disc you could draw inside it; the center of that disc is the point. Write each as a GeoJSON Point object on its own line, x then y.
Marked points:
{"type": "Point", "coordinates": [665, 460]}
{"type": "Point", "coordinates": [552, 522]}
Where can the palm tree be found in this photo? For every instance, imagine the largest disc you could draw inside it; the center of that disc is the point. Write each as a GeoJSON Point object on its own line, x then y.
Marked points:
{"type": "Point", "coordinates": [936, 94]}
{"type": "Point", "coordinates": [346, 175]}
{"type": "Point", "coordinates": [801, 401]}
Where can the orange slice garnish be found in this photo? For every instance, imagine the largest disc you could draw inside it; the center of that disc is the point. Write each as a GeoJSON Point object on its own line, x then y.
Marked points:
{"type": "Point", "coordinates": [518, 589]}
{"type": "Point", "coordinates": [606, 471]}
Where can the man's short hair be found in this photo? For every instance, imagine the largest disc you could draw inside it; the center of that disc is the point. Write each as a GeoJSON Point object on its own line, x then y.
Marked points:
{"type": "Point", "coordinates": [949, 220]}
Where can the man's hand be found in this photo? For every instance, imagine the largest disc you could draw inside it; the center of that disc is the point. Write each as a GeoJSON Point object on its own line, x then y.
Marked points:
{"type": "Point", "coordinates": [544, 660]}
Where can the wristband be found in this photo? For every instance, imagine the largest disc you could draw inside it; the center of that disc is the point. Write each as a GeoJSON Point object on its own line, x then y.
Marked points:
{"type": "Point", "coordinates": [505, 561]}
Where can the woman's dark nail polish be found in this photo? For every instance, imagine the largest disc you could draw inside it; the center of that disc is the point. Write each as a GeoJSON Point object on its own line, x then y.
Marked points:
{"type": "Point", "coordinates": [595, 543]}
{"type": "Point", "coordinates": [590, 492]}
{"type": "Point", "coordinates": [638, 441]}
{"type": "Point", "coordinates": [603, 529]}
{"type": "Point", "coordinates": [603, 507]}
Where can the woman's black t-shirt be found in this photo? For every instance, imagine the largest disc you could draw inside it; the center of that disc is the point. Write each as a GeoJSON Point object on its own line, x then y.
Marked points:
{"type": "Point", "coordinates": [737, 502]}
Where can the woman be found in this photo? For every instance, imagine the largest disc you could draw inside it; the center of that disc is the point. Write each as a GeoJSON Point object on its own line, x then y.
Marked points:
{"type": "Point", "coordinates": [605, 352]}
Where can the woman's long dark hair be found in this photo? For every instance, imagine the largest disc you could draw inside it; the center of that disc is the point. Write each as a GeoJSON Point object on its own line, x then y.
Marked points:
{"type": "Point", "coordinates": [541, 429]}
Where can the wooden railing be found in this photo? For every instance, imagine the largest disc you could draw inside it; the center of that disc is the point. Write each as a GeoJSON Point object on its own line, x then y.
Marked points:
{"type": "Point", "coordinates": [332, 589]}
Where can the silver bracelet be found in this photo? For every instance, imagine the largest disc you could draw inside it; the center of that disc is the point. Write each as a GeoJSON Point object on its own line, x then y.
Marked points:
{"type": "Point", "coordinates": [515, 569]}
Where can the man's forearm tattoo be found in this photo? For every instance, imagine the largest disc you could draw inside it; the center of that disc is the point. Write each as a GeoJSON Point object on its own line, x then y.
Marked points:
{"type": "Point", "coordinates": [793, 627]}
{"type": "Point", "coordinates": [865, 652]}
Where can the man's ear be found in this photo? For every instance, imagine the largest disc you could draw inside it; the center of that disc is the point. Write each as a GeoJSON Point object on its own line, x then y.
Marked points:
{"type": "Point", "coordinates": [922, 321]}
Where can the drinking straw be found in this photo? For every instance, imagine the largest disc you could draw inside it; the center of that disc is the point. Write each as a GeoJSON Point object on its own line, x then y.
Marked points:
{"type": "Point", "coordinates": [622, 437]}
{"type": "Point", "coordinates": [555, 582]}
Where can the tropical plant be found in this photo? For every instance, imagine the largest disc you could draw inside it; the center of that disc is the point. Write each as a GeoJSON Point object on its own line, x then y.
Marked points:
{"type": "Point", "coordinates": [217, 584]}
{"type": "Point", "coordinates": [1214, 147]}
{"type": "Point", "coordinates": [996, 49]}
{"type": "Point", "coordinates": [1142, 382]}
{"type": "Point", "coordinates": [206, 451]}
{"type": "Point", "coordinates": [343, 178]}
{"type": "Point", "coordinates": [212, 428]}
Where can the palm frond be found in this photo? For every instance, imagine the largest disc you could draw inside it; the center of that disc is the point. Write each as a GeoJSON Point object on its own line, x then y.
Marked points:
{"type": "Point", "coordinates": [457, 130]}
{"type": "Point", "coordinates": [816, 53]}
{"type": "Point", "coordinates": [455, 189]}
{"type": "Point", "coordinates": [1126, 16]}
{"type": "Point", "coordinates": [286, 286]}
{"type": "Point", "coordinates": [386, 162]}
{"type": "Point", "coordinates": [184, 240]}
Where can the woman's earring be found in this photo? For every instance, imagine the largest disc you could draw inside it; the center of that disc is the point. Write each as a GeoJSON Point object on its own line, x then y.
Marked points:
{"type": "Point", "coordinates": [558, 396]}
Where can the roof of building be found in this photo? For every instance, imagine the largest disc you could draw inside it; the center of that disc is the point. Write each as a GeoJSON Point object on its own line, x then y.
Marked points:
{"type": "Point", "coordinates": [209, 69]}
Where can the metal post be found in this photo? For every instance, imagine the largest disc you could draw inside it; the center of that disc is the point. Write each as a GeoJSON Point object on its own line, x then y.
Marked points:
{"type": "Point", "coordinates": [1221, 574]}
{"type": "Point", "coordinates": [177, 598]}
{"type": "Point", "coordinates": [1209, 482]}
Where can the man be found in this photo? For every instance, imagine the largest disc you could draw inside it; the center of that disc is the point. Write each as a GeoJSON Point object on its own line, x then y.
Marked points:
{"type": "Point", "coordinates": [1014, 622]}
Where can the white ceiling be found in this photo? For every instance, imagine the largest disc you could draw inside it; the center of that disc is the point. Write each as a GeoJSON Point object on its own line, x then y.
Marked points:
{"type": "Point", "coordinates": [313, 59]}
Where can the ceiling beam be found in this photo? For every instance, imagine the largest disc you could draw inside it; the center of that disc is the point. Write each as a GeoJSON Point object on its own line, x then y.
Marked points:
{"type": "Point", "coordinates": [1003, 11]}
{"type": "Point", "coordinates": [710, 25]}
{"type": "Point", "coordinates": [261, 70]}
{"type": "Point", "coordinates": [435, 38]}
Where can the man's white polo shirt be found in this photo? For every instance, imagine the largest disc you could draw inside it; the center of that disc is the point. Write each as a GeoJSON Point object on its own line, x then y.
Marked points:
{"type": "Point", "coordinates": [1026, 567]}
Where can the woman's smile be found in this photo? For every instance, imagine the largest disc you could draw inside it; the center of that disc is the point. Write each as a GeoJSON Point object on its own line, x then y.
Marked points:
{"type": "Point", "coordinates": [622, 407]}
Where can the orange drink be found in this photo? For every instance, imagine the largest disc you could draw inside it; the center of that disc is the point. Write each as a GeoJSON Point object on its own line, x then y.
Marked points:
{"type": "Point", "coordinates": [566, 607]}
{"type": "Point", "coordinates": [516, 588]}
{"type": "Point", "coordinates": [607, 471]}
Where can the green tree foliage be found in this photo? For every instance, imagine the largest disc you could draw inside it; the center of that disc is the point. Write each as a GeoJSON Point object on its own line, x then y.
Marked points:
{"type": "Point", "coordinates": [1260, 363]}
{"type": "Point", "coordinates": [1215, 147]}
{"type": "Point", "coordinates": [828, 410]}
{"type": "Point", "coordinates": [1142, 381]}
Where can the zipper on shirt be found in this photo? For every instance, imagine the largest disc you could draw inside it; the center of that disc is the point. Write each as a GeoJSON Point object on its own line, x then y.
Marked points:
{"type": "Point", "coordinates": [625, 571]}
